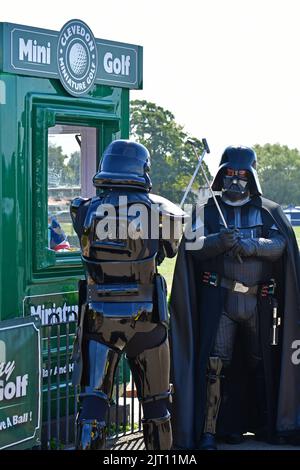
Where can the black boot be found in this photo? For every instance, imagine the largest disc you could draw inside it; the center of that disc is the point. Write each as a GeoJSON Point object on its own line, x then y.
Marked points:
{"type": "Point", "coordinates": [158, 433]}
{"type": "Point", "coordinates": [213, 400]}
{"type": "Point", "coordinates": [208, 442]}
{"type": "Point", "coordinates": [90, 434]}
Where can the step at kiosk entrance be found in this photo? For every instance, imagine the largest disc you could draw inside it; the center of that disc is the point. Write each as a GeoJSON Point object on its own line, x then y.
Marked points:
{"type": "Point", "coordinates": [64, 96]}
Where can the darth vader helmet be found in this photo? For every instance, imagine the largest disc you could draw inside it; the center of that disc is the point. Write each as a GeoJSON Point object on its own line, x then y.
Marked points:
{"type": "Point", "coordinates": [237, 176]}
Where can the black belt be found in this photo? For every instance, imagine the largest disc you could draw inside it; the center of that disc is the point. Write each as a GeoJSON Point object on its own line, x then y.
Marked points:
{"type": "Point", "coordinates": [127, 292]}
{"type": "Point", "coordinates": [215, 280]}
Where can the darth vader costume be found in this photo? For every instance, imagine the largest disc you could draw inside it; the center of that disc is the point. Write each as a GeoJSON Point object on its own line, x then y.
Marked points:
{"type": "Point", "coordinates": [235, 316]}
{"type": "Point", "coordinates": [123, 307]}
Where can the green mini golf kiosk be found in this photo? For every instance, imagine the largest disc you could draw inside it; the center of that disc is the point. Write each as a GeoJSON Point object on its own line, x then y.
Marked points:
{"type": "Point", "coordinates": [63, 97]}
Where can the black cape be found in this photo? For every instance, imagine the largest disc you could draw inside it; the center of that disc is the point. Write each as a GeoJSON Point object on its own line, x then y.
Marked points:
{"type": "Point", "coordinates": [194, 318]}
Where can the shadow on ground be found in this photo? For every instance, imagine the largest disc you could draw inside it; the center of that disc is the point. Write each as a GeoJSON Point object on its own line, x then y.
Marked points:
{"type": "Point", "coordinates": [135, 442]}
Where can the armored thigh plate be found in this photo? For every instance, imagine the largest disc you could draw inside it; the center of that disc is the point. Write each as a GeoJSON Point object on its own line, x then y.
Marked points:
{"type": "Point", "coordinates": [100, 365]}
{"type": "Point", "coordinates": [151, 371]}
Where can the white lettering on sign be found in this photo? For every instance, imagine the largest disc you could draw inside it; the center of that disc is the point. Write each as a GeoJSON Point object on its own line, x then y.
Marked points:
{"type": "Point", "coordinates": [296, 354]}
{"type": "Point", "coordinates": [78, 30]}
{"type": "Point", "coordinates": [55, 314]}
{"type": "Point", "coordinates": [77, 58]}
{"type": "Point", "coordinates": [7, 369]}
{"type": "Point", "coordinates": [31, 51]}
{"type": "Point", "coordinates": [117, 66]}
{"type": "Point", "coordinates": [15, 420]}
{"type": "Point", "coordinates": [16, 389]}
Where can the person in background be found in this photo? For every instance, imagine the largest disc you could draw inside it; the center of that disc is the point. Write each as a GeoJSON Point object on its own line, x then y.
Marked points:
{"type": "Point", "coordinates": [58, 240]}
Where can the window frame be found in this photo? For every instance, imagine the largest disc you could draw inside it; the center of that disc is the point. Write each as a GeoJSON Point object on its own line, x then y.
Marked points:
{"type": "Point", "coordinates": [46, 113]}
{"type": "Point", "coordinates": [87, 168]}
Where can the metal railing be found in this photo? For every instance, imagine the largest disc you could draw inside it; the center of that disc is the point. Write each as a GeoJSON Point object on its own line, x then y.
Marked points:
{"type": "Point", "coordinates": [60, 397]}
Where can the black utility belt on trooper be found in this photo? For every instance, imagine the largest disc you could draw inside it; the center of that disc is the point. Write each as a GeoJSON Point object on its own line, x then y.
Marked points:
{"type": "Point", "coordinates": [214, 279]}
{"type": "Point", "coordinates": [132, 292]}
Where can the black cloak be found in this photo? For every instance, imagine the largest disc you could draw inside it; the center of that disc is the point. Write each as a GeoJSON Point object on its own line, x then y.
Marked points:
{"type": "Point", "coordinates": [195, 310]}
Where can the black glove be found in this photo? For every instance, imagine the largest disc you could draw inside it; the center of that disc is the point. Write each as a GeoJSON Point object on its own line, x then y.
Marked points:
{"type": "Point", "coordinates": [229, 237]}
{"type": "Point", "coordinates": [161, 254]}
{"type": "Point", "coordinates": [244, 247]}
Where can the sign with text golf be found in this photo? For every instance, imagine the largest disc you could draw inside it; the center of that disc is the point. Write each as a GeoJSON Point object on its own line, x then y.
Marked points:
{"type": "Point", "coordinates": [72, 55]}
{"type": "Point", "coordinates": [20, 383]}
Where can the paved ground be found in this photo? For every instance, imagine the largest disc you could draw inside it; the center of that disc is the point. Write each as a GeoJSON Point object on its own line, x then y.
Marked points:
{"type": "Point", "coordinates": [251, 444]}
{"type": "Point", "coordinates": [135, 442]}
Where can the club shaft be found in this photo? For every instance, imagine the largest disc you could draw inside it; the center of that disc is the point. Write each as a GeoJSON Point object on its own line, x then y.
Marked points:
{"type": "Point", "coordinates": [209, 187]}
{"type": "Point", "coordinates": [193, 177]}
{"type": "Point", "coordinates": [215, 200]}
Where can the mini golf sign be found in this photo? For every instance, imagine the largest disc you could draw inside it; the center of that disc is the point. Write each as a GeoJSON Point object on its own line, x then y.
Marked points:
{"type": "Point", "coordinates": [20, 383]}
{"type": "Point", "coordinates": [72, 55]}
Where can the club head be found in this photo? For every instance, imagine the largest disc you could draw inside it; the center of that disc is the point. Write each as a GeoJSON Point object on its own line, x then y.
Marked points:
{"type": "Point", "coordinates": [191, 142]}
{"type": "Point", "coordinates": [194, 144]}
{"type": "Point", "coordinates": [205, 145]}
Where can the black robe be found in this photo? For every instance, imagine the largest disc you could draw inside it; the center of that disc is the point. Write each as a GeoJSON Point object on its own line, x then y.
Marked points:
{"type": "Point", "coordinates": [195, 311]}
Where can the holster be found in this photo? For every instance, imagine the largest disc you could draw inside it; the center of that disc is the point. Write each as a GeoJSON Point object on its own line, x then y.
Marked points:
{"type": "Point", "coordinates": [161, 293]}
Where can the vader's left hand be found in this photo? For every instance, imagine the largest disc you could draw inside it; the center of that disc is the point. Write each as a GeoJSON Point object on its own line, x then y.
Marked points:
{"type": "Point", "coordinates": [244, 247]}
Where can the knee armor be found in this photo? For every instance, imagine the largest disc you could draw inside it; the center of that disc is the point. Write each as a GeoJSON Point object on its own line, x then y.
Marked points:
{"type": "Point", "coordinates": [158, 433]}
{"type": "Point", "coordinates": [90, 434]}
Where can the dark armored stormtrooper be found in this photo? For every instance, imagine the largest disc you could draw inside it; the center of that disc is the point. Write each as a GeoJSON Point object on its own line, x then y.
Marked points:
{"type": "Point", "coordinates": [123, 299]}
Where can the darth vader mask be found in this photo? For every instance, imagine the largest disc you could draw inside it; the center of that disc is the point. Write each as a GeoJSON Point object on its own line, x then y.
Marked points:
{"type": "Point", "coordinates": [236, 186]}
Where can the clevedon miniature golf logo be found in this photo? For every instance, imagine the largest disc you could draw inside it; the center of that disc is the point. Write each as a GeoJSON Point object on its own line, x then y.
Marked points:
{"type": "Point", "coordinates": [77, 58]}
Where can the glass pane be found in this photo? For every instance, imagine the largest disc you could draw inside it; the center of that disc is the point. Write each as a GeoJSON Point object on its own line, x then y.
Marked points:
{"type": "Point", "coordinates": [64, 184]}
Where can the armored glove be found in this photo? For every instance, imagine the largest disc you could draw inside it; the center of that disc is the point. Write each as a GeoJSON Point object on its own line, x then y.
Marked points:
{"type": "Point", "coordinates": [228, 238]}
{"type": "Point", "coordinates": [270, 248]}
{"type": "Point", "coordinates": [244, 247]}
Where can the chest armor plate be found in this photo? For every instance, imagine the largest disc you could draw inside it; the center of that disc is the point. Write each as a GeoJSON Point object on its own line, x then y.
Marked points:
{"type": "Point", "coordinates": [248, 220]}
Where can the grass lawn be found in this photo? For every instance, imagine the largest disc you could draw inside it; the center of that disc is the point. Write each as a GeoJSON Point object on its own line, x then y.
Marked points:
{"type": "Point", "coordinates": [166, 269]}
{"type": "Point", "coordinates": [297, 232]}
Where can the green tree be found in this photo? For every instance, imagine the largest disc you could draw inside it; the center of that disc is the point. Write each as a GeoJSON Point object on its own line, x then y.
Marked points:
{"type": "Point", "coordinates": [62, 169]}
{"type": "Point", "coordinates": [279, 173]}
{"type": "Point", "coordinates": [172, 161]}
{"type": "Point", "coordinates": [56, 160]}
{"type": "Point", "coordinates": [71, 170]}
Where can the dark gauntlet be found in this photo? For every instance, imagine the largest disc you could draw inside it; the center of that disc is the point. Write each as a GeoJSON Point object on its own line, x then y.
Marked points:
{"type": "Point", "coordinates": [218, 243]}
{"type": "Point", "coordinates": [271, 248]}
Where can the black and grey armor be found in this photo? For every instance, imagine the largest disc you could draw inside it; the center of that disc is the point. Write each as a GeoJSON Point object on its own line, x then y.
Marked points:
{"type": "Point", "coordinates": [123, 300]}
{"type": "Point", "coordinates": [258, 247]}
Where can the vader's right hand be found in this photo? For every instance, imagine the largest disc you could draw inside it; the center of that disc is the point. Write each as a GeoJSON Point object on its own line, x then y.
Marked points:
{"type": "Point", "coordinates": [228, 238]}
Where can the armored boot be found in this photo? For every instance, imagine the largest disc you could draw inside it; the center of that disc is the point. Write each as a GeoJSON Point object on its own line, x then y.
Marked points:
{"type": "Point", "coordinates": [213, 400]}
{"type": "Point", "coordinates": [158, 433]}
{"type": "Point", "coordinates": [90, 434]}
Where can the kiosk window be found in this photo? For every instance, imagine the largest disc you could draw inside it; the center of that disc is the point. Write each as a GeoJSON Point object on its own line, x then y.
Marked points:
{"type": "Point", "coordinates": [71, 166]}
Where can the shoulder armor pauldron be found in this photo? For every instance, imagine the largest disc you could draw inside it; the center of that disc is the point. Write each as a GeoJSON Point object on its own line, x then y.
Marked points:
{"type": "Point", "coordinates": [75, 204]}
{"type": "Point", "coordinates": [166, 207]}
